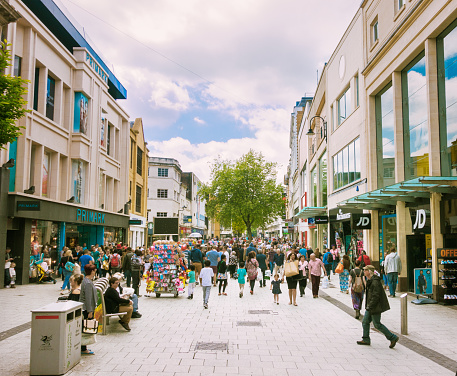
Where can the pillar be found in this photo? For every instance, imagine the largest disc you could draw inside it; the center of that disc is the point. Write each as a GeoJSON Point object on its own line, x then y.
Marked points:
{"type": "Point", "coordinates": [372, 236]}
{"type": "Point", "coordinates": [402, 222]}
{"type": "Point", "coordinates": [437, 239]}
{"type": "Point", "coordinates": [4, 186]}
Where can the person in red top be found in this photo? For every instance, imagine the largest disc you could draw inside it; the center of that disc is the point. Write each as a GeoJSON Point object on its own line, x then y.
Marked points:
{"type": "Point", "coordinates": [366, 259]}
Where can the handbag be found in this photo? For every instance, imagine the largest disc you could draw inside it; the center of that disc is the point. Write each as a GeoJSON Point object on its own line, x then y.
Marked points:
{"type": "Point", "coordinates": [340, 268]}
{"type": "Point", "coordinates": [69, 266]}
{"type": "Point", "coordinates": [90, 326]}
{"type": "Point", "coordinates": [291, 269]}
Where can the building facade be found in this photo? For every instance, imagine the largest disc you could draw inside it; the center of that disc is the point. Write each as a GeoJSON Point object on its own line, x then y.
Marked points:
{"type": "Point", "coordinates": [138, 185]}
{"type": "Point", "coordinates": [69, 180]}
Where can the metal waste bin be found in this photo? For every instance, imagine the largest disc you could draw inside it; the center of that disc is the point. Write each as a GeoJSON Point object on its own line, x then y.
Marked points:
{"type": "Point", "coordinates": [55, 345]}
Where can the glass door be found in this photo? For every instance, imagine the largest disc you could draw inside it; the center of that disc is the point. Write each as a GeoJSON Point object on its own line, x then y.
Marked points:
{"type": "Point", "coordinates": [388, 235]}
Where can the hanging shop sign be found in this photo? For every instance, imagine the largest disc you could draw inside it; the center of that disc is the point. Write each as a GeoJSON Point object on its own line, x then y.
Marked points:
{"type": "Point", "coordinates": [444, 253]}
{"type": "Point", "coordinates": [137, 222]}
{"type": "Point", "coordinates": [187, 219]}
{"type": "Point", "coordinates": [311, 221]}
{"type": "Point", "coordinates": [321, 220]}
{"type": "Point", "coordinates": [340, 216]}
{"type": "Point", "coordinates": [361, 221]}
{"type": "Point", "coordinates": [419, 219]}
{"type": "Point", "coordinates": [28, 205]}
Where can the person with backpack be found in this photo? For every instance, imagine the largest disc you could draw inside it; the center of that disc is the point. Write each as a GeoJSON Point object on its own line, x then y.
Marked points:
{"type": "Point", "coordinates": [127, 266]}
{"type": "Point", "coordinates": [357, 282]}
{"type": "Point", "coordinates": [136, 267]}
{"type": "Point", "coordinates": [114, 263]}
{"type": "Point", "coordinates": [328, 262]}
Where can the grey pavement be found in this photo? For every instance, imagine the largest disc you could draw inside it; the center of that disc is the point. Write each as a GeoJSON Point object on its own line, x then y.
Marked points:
{"type": "Point", "coordinates": [315, 338]}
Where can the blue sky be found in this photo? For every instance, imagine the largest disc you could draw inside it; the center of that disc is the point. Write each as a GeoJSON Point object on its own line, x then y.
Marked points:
{"type": "Point", "coordinates": [214, 78]}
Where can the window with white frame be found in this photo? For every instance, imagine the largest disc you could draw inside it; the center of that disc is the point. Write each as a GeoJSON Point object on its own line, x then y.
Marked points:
{"type": "Point", "coordinates": [344, 105]}
{"type": "Point", "coordinates": [400, 3]}
{"type": "Point", "coordinates": [375, 31]}
{"type": "Point", "coordinates": [346, 165]}
{"type": "Point", "coordinates": [162, 193]}
{"type": "Point", "coordinates": [163, 172]}
{"type": "Point", "coordinates": [162, 214]}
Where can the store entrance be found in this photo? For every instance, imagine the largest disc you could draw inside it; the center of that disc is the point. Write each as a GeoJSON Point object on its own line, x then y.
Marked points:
{"type": "Point", "coordinates": [415, 256]}
{"type": "Point", "coordinates": [388, 234]}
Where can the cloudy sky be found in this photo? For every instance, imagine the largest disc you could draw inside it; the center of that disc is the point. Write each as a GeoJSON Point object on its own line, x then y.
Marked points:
{"type": "Point", "coordinates": [214, 78]}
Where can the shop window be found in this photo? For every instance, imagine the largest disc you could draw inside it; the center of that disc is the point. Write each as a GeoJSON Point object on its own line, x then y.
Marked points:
{"type": "Point", "coordinates": [101, 190]}
{"type": "Point", "coordinates": [415, 119]}
{"type": "Point", "coordinates": [78, 174]}
{"type": "Point", "coordinates": [45, 174]}
{"type": "Point", "coordinates": [109, 147]}
{"type": "Point", "coordinates": [36, 87]}
{"type": "Point", "coordinates": [102, 132]}
{"type": "Point", "coordinates": [323, 179]}
{"type": "Point", "coordinates": [346, 165]}
{"type": "Point", "coordinates": [50, 96]}
{"type": "Point", "coordinates": [385, 137]}
{"type": "Point", "coordinates": [163, 172]}
{"type": "Point", "coordinates": [344, 106]}
{"type": "Point", "coordinates": [81, 114]}
{"type": "Point", "coordinates": [138, 199]}
{"type": "Point", "coordinates": [447, 95]}
{"type": "Point", "coordinates": [139, 161]}
{"type": "Point", "coordinates": [314, 187]}
{"type": "Point", "coordinates": [162, 193]}
{"type": "Point", "coordinates": [162, 214]}
{"type": "Point", "coordinates": [17, 66]}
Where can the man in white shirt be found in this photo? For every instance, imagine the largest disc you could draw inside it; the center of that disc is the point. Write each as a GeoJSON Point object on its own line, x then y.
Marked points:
{"type": "Point", "coordinates": [392, 267]}
{"type": "Point", "coordinates": [206, 276]}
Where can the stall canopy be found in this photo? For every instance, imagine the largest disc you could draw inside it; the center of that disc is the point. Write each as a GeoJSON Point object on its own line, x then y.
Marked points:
{"type": "Point", "coordinates": [410, 191]}
{"type": "Point", "coordinates": [311, 211]}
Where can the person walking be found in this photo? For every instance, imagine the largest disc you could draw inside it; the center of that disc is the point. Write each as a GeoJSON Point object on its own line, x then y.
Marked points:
{"type": "Point", "coordinates": [336, 257]}
{"type": "Point", "coordinates": [88, 297]}
{"type": "Point", "coordinates": [222, 274]}
{"type": "Point", "coordinates": [364, 259]}
{"type": "Point", "coordinates": [303, 267]}
{"type": "Point", "coordinates": [214, 257]}
{"type": "Point", "coordinates": [271, 256]}
{"type": "Point", "coordinates": [127, 267]}
{"type": "Point", "coordinates": [328, 262]}
{"type": "Point", "coordinates": [356, 280]}
{"type": "Point", "coordinates": [392, 267]}
{"type": "Point", "coordinates": [376, 303]}
{"type": "Point", "coordinates": [196, 259]}
{"type": "Point", "coordinates": [344, 275]}
{"type": "Point", "coordinates": [232, 264]}
{"type": "Point", "coordinates": [262, 260]}
{"type": "Point", "coordinates": [315, 266]}
{"type": "Point", "coordinates": [292, 276]}
{"type": "Point", "coordinates": [251, 267]}
{"type": "Point", "coordinates": [279, 263]}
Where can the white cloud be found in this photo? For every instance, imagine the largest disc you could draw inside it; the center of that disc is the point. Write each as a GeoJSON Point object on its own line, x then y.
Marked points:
{"type": "Point", "coordinates": [199, 121]}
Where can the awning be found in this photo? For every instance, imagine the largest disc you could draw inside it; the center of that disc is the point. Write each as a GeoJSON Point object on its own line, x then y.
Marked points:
{"type": "Point", "coordinates": [409, 191]}
{"type": "Point", "coordinates": [311, 211]}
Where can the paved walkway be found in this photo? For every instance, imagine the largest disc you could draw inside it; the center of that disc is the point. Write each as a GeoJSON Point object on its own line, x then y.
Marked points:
{"type": "Point", "coordinates": [315, 338]}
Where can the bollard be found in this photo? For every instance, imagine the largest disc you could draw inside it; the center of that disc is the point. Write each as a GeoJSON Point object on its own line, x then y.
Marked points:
{"type": "Point", "coordinates": [404, 314]}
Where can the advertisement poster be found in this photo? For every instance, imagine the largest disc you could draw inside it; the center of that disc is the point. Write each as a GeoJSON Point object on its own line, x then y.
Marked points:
{"type": "Point", "coordinates": [77, 173]}
{"type": "Point", "coordinates": [81, 113]}
{"type": "Point", "coordinates": [102, 133]}
{"type": "Point", "coordinates": [423, 281]}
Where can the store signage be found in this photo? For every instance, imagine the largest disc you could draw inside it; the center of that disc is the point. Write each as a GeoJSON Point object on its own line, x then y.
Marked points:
{"type": "Point", "coordinates": [447, 253]}
{"type": "Point", "coordinates": [28, 205]}
{"type": "Point", "coordinates": [187, 219]}
{"type": "Point", "coordinates": [321, 220]}
{"type": "Point", "coordinates": [137, 222]}
{"type": "Point", "coordinates": [97, 68]}
{"type": "Point", "coordinates": [361, 221]}
{"type": "Point", "coordinates": [421, 217]}
{"type": "Point", "coordinates": [89, 216]}
{"type": "Point", "coordinates": [311, 221]}
{"type": "Point", "coordinates": [341, 216]}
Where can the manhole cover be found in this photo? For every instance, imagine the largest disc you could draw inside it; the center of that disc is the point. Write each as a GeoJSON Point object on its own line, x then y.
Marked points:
{"type": "Point", "coordinates": [259, 311]}
{"type": "Point", "coordinates": [248, 323]}
{"type": "Point", "coordinates": [211, 346]}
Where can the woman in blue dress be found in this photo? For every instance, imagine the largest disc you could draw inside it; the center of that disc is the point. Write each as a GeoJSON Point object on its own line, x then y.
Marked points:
{"type": "Point", "coordinates": [344, 276]}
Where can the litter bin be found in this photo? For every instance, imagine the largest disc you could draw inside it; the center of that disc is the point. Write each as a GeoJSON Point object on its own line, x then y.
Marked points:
{"type": "Point", "coordinates": [55, 345]}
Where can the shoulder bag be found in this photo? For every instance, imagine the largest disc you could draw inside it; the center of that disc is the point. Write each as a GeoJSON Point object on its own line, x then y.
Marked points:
{"type": "Point", "coordinates": [291, 269]}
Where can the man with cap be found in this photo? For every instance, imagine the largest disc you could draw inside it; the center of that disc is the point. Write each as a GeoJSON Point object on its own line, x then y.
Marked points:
{"type": "Point", "coordinates": [376, 303]}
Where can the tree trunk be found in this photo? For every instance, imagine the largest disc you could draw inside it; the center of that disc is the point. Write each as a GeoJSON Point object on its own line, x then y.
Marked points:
{"type": "Point", "coordinates": [248, 229]}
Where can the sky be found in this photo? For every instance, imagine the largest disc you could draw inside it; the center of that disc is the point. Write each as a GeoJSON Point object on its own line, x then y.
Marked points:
{"type": "Point", "coordinates": [211, 78]}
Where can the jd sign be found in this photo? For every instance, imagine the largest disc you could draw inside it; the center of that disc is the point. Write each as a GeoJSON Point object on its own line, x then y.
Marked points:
{"type": "Point", "coordinates": [421, 217]}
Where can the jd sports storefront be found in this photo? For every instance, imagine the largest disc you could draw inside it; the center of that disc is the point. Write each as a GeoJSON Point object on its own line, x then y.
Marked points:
{"type": "Point", "coordinates": [55, 225]}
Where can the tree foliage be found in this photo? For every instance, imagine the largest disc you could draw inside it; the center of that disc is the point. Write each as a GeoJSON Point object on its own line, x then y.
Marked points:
{"type": "Point", "coordinates": [12, 102]}
{"type": "Point", "coordinates": [243, 194]}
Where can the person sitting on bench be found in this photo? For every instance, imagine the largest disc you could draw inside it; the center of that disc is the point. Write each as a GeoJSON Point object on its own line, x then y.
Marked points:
{"type": "Point", "coordinates": [115, 304]}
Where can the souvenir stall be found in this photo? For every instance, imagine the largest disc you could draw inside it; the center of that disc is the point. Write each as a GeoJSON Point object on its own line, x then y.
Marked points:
{"type": "Point", "coordinates": [167, 274]}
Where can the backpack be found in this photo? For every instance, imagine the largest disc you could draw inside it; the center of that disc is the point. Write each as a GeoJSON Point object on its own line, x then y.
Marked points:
{"type": "Point", "coordinates": [329, 257]}
{"type": "Point", "coordinates": [358, 284]}
{"type": "Point", "coordinates": [69, 266]}
{"type": "Point", "coordinates": [114, 261]}
{"type": "Point", "coordinates": [135, 263]}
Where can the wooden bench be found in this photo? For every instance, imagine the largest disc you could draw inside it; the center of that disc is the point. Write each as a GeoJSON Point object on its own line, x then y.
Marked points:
{"type": "Point", "coordinates": [101, 285]}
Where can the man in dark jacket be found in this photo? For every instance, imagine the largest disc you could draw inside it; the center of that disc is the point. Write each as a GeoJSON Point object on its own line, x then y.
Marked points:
{"type": "Point", "coordinates": [250, 249]}
{"type": "Point", "coordinates": [375, 304]}
{"type": "Point", "coordinates": [127, 266]}
{"type": "Point", "coordinates": [115, 304]}
{"type": "Point", "coordinates": [196, 257]}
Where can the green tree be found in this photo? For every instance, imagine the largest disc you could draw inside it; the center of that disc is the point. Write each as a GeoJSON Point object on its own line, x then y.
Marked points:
{"type": "Point", "coordinates": [243, 194]}
{"type": "Point", "coordinates": [12, 102]}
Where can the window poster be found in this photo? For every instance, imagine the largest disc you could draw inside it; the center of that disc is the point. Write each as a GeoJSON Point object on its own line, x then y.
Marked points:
{"type": "Point", "coordinates": [78, 178]}
{"type": "Point", "coordinates": [45, 175]}
{"type": "Point", "coordinates": [81, 114]}
{"type": "Point", "coordinates": [423, 281]}
{"type": "Point", "coordinates": [102, 133]}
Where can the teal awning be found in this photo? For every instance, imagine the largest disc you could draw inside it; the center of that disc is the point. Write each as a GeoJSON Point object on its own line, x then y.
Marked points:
{"type": "Point", "coordinates": [311, 211]}
{"type": "Point", "coordinates": [406, 191]}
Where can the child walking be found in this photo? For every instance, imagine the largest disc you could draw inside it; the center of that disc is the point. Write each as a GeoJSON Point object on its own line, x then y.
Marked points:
{"type": "Point", "coordinates": [241, 277]}
{"type": "Point", "coordinates": [222, 274]}
{"type": "Point", "coordinates": [276, 287]}
{"type": "Point", "coordinates": [191, 285]}
{"type": "Point", "coordinates": [206, 280]}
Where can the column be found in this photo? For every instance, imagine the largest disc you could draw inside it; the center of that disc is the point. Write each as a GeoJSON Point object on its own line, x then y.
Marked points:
{"type": "Point", "coordinates": [402, 222]}
{"type": "Point", "coordinates": [38, 168]}
{"type": "Point", "coordinates": [4, 183]}
{"type": "Point", "coordinates": [371, 148]}
{"type": "Point", "coordinates": [437, 239]}
{"type": "Point", "coordinates": [373, 239]}
{"type": "Point", "coordinates": [398, 124]}
{"type": "Point", "coordinates": [54, 177]}
{"type": "Point", "coordinates": [433, 108]}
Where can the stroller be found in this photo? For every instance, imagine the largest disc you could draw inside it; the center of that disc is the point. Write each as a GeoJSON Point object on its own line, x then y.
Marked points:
{"type": "Point", "coordinates": [44, 274]}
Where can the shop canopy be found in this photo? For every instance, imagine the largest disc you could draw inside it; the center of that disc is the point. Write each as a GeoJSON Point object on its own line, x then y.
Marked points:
{"type": "Point", "coordinates": [311, 211]}
{"type": "Point", "coordinates": [409, 191]}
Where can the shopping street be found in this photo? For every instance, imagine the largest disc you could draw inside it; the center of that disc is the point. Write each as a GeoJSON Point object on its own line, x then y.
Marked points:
{"type": "Point", "coordinates": [316, 338]}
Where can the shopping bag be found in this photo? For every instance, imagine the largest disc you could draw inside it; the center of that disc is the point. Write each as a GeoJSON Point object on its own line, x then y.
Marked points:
{"type": "Point", "coordinates": [259, 274]}
{"type": "Point", "coordinates": [267, 274]}
{"type": "Point", "coordinates": [340, 268]}
{"type": "Point", "coordinates": [325, 283]}
{"type": "Point", "coordinates": [291, 269]}
{"type": "Point", "coordinates": [90, 326]}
